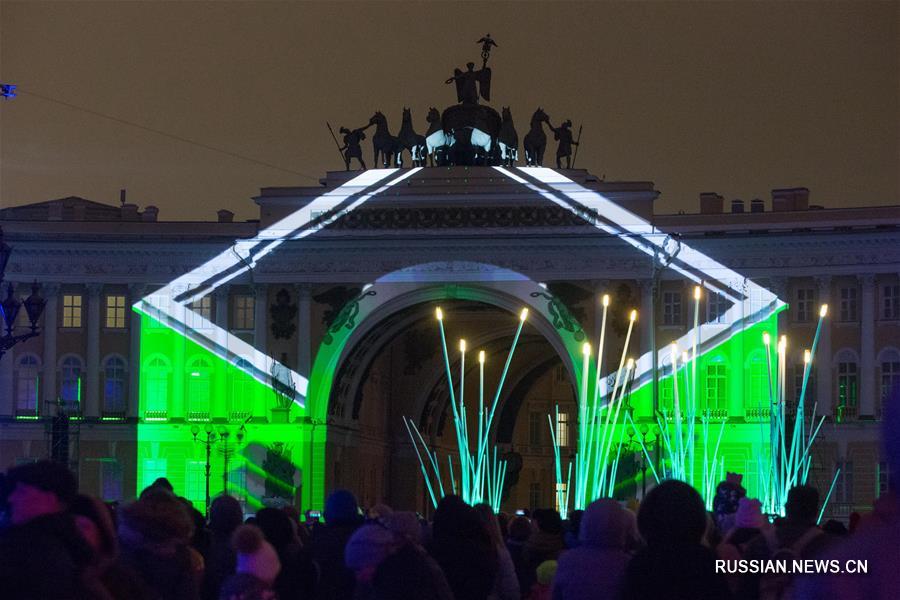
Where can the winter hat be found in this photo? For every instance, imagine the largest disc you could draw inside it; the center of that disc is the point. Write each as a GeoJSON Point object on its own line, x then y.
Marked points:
{"type": "Point", "coordinates": [749, 514]}
{"type": "Point", "coordinates": [546, 571]}
{"type": "Point", "coordinates": [156, 517]}
{"type": "Point", "coordinates": [605, 524]}
{"type": "Point", "coordinates": [47, 476]}
{"type": "Point", "coordinates": [255, 555]}
{"type": "Point", "coordinates": [225, 514]}
{"type": "Point", "coordinates": [368, 547]}
{"type": "Point", "coordinates": [672, 513]}
{"type": "Point", "coordinates": [404, 525]}
{"type": "Point", "coordinates": [341, 508]}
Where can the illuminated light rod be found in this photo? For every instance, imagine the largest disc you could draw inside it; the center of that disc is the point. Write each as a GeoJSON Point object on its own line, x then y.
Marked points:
{"type": "Point", "coordinates": [170, 304]}
{"type": "Point", "coordinates": [481, 472]}
{"type": "Point", "coordinates": [791, 454]}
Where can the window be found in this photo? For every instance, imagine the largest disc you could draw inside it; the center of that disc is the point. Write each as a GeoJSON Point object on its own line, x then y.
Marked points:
{"type": "Point", "coordinates": [115, 312]}
{"type": "Point", "coordinates": [716, 307]}
{"type": "Point", "coordinates": [848, 386]}
{"type": "Point", "coordinates": [757, 381]}
{"type": "Point", "coordinates": [195, 484]}
{"type": "Point", "coordinates": [560, 495]}
{"type": "Point", "coordinates": [114, 386]}
{"type": "Point", "coordinates": [849, 310]}
{"type": "Point", "coordinates": [890, 374]}
{"type": "Point", "coordinates": [562, 430]}
{"type": "Point", "coordinates": [70, 383]}
{"type": "Point", "coordinates": [890, 306]}
{"type": "Point", "coordinates": [535, 428]}
{"type": "Point", "coordinates": [71, 311]}
{"type": "Point", "coordinates": [716, 387]}
{"type": "Point", "coordinates": [805, 300]}
{"type": "Point", "coordinates": [242, 316]}
{"type": "Point", "coordinates": [843, 487]}
{"type": "Point", "coordinates": [671, 308]}
{"type": "Point", "coordinates": [153, 469]}
{"type": "Point", "coordinates": [884, 479]}
{"type": "Point", "coordinates": [666, 395]}
{"type": "Point", "coordinates": [534, 496]}
{"type": "Point", "coordinates": [111, 480]}
{"type": "Point", "coordinates": [162, 301]}
{"type": "Point", "coordinates": [199, 388]}
{"type": "Point", "coordinates": [198, 310]}
{"type": "Point", "coordinates": [242, 388]}
{"type": "Point", "coordinates": [156, 404]}
{"type": "Point", "coordinates": [27, 385]}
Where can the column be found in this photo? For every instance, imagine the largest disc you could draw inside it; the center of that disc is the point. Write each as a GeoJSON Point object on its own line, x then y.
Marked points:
{"type": "Point", "coordinates": [91, 405]}
{"type": "Point", "coordinates": [221, 298]}
{"type": "Point", "coordinates": [647, 316]}
{"type": "Point", "coordinates": [48, 333]}
{"type": "Point", "coordinates": [304, 330]}
{"type": "Point", "coordinates": [824, 353]}
{"type": "Point", "coordinates": [7, 390]}
{"type": "Point", "coordinates": [867, 388]}
{"type": "Point", "coordinates": [220, 404]}
{"type": "Point", "coordinates": [260, 316]}
{"type": "Point", "coordinates": [136, 292]}
{"type": "Point", "coordinates": [178, 407]}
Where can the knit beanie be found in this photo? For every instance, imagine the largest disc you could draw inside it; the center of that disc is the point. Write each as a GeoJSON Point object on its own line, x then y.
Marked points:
{"type": "Point", "coordinates": [546, 571]}
{"type": "Point", "coordinates": [749, 514]}
{"type": "Point", "coordinates": [368, 547]}
{"type": "Point", "coordinates": [47, 476]}
{"type": "Point", "coordinates": [341, 508]}
{"type": "Point", "coordinates": [255, 555]}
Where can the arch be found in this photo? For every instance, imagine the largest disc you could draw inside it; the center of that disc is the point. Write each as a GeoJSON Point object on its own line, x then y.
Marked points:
{"type": "Point", "coordinates": [114, 381]}
{"type": "Point", "coordinates": [240, 398]}
{"type": "Point", "coordinates": [419, 284]}
{"type": "Point", "coordinates": [888, 354]}
{"type": "Point", "coordinates": [845, 355]}
{"type": "Point", "coordinates": [757, 379]}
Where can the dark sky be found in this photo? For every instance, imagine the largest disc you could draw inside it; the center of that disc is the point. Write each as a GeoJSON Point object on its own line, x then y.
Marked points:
{"type": "Point", "coordinates": [731, 97]}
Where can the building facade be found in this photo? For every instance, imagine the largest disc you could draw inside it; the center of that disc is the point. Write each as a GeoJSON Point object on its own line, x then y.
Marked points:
{"type": "Point", "coordinates": [138, 402]}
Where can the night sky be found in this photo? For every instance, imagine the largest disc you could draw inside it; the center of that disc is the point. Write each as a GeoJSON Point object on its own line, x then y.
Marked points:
{"type": "Point", "coordinates": [730, 97]}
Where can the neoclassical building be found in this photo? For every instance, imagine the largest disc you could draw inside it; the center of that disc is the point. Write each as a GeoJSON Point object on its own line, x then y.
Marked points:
{"type": "Point", "coordinates": [126, 397]}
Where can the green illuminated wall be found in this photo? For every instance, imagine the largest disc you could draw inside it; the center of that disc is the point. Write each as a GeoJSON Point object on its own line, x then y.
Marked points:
{"type": "Point", "coordinates": [283, 452]}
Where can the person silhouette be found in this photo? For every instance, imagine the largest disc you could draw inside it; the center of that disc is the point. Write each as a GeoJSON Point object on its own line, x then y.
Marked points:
{"type": "Point", "coordinates": [352, 147]}
{"type": "Point", "coordinates": [563, 134]}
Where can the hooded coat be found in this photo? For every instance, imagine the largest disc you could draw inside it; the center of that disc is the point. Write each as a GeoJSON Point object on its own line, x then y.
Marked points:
{"type": "Point", "coordinates": [595, 570]}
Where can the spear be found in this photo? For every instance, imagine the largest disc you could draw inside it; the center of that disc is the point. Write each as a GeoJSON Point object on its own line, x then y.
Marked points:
{"type": "Point", "coordinates": [577, 145]}
{"type": "Point", "coordinates": [334, 137]}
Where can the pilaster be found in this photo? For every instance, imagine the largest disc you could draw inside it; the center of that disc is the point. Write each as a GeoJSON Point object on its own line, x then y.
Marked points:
{"type": "Point", "coordinates": [91, 406]}
{"type": "Point", "coordinates": [867, 347]}
{"type": "Point", "coordinates": [824, 354]}
{"type": "Point", "coordinates": [50, 291]}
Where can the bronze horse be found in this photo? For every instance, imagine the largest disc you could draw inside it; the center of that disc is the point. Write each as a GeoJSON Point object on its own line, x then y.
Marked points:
{"type": "Point", "coordinates": [384, 143]}
{"type": "Point", "coordinates": [536, 140]}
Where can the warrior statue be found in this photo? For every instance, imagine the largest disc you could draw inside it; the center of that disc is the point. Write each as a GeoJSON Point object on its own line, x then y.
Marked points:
{"type": "Point", "coordinates": [352, 148]}
{"type": "Point", "coordinates": [470, 82]}
{"type": "Point", "coordinates": [563, 134]}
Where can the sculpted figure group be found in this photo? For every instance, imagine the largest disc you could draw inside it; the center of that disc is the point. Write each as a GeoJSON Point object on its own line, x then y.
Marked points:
{"type": "Point", "coordinates": [468, 133]}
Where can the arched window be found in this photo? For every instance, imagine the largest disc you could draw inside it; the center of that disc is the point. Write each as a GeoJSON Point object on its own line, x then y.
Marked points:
{"type": "Point", "coordinates": [889, 362]}
{"type": "Point", "coordinates": [240, 404]}
{"type": "Point", "coordinates": [156, 400]}
{"type": "Point", "coordinates": [847, 384]}
{"type": "Point", "coordinates": [716, 385]}
{"type": "Point", "coordinates": [28, 372]}
{"type": "Point", "coordinates": [199, 388]}
{"type": "Point", "coordinates": [114, 386]}
{"type": "Point", "coordinates": [70, 383]}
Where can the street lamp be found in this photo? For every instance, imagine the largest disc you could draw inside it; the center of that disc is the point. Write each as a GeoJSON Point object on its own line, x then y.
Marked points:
{"type": "Point", "coordinates": [10, 306]}
{"type": "Point", "coordinates": [209, 440]}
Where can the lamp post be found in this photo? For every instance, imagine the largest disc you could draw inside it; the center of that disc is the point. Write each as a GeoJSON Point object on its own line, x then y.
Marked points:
{"type": "Point", "coordinates": [209, 439]}
{"type": "Point", "coordinates": [227, 452]}
{"type": "Point", "coordinates": [10, 306]}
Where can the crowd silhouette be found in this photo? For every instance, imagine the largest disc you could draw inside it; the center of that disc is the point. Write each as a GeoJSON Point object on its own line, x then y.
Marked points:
{"type": "Point", "coordinates": [56, 543]}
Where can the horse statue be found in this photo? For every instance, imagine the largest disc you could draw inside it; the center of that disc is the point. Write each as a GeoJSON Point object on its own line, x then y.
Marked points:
{"type": "Point", "coordinates": [384, 143]}
{"type": "Point", "coordinates": [412, 141]}
{"type": "Point", "coordinates": [437, 140]}
{"type": "Point", "coordinates": [508, 140]}
{"type": "Point", "coordinates": [536, 140]}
